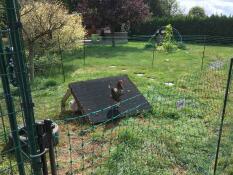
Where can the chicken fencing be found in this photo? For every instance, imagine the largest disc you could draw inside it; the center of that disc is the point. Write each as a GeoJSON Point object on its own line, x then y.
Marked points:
{"type": "Point", "coordinates": [187, 131]}
{"type": "Point", "coordinates": [179, 135]}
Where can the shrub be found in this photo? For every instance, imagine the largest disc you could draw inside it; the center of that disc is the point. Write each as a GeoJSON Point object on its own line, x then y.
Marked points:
{"type": "Point", "coordinates": [45, 64]}
{"type": "Point", "coordinates": [181, 46]}
{"type": "Point", "coordinates": [50, 83]}
{"type": "Point", "coordinates": [72, 33]}
{"type": "Point", "coordinates": [149, 45]}
{"type": "Point", "coordinates": [168, 44]}
{"type": "Point", "coordinates": [44, 23]}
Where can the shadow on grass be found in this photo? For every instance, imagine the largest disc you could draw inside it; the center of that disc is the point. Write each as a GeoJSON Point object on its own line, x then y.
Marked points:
{"type": "Point", "coordinates": [56, 73]}
{"type": "Point", "coordinates": [102, 51]}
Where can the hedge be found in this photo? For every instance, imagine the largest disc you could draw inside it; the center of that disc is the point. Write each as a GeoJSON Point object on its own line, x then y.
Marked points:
{"type": "Point", "coordinates": [213, 26]}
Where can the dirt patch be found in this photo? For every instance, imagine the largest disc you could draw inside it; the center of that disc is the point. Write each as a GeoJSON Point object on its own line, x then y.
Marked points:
{"type": "Point", "coordinates": [82, 153]}
{"type": "Point", "coordinates": [179, 171]}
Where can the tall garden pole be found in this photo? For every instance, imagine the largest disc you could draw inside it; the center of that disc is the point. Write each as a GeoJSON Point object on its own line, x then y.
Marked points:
{"type": "Point", "coordinates": [153, 60]}
{"type": "Point", "coordinates": [61, 57]}
{"type": "Point", "coordinates": [23, 81]}
{"type": "Point", "coordinates": [84, 51]}
{"type": "Point", "coordinates": [223, 115]}
{"type": "Point", "coordinates": [203, 53]}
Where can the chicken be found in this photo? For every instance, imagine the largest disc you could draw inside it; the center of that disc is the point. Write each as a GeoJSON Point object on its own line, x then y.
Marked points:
{"type": "Point", "coordinates": [73, 106]}
{"type": "Point", "coordinates": [117, 92]}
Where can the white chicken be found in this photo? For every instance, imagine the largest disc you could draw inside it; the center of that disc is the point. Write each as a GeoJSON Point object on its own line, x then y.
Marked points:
{"type": "Point", "coordinates": [73, 106]}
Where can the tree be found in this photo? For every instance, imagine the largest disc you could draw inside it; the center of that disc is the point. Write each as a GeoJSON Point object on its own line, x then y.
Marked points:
{"type": "Point", "coordinates": [198, 12]}
{"type": "Point", "coordinates": [113, 13]}
{"type": "Point", "coordinates": [170, 7]}
{"type": "Point", "coordinates": [43, 22]}
{"type": "Point", "coordinates": [155, 7]}
{"type": "Point", "coordinates": [163, 7]}
{"type": "Point", "coordinates": [71, 34]}
{"type": "Point", "coordinates": [70, 4]}
{"type": "Point", "coordinates": [2, 14]}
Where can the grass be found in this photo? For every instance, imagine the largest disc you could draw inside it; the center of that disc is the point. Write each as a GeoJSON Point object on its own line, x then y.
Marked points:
{"type": "Point", "coordinates": [130, 59]}
{"type": "Point", "coordinates": [167, 140]}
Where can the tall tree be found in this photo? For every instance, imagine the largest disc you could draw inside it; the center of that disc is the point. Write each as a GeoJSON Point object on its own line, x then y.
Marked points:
{"type": "Point", "coordinates": [163, 7]}
{"type": "Point", "coordinates": [170, 7]}
{"type": "Point", "coordinates": [70, 4]}
{"type": "Point", "coordinates": [43, 22]}
{"type": "Point", "coordinates": [198, 12]}
{"type": "Point", "coordinates": [113, 13]}
{"type": "Point", "coordinates": [2, 14]}
{"type": "Point", "coordinates": [155, 7]}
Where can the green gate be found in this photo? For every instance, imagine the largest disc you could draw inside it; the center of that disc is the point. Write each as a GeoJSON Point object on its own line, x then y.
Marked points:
{"type": "Point", "coordinates": [18, 156]}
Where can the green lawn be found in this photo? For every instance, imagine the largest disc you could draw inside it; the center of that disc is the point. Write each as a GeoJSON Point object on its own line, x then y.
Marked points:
{"type": "Point", "coordinates": [129, 59]}
{"type": "Point", "coordinates": [167, 140]}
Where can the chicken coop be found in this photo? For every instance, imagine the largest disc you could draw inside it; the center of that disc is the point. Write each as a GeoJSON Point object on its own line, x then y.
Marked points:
{"type": "Point", "coordinates": [96, 95]}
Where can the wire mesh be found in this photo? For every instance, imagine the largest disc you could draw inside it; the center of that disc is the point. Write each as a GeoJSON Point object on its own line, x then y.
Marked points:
{"type": "Point", "coordinates": [181, 129]}
{"type": "Point", "coordinates": [14, 160]}
{"type": "Point", "coordinates": [19, 145]}
{"type": "Point", "coordinates": [179, 135]}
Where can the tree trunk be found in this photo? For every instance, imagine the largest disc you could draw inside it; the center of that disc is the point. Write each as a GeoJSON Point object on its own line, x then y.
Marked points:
{"type": "Point", "coordinates": [31, 61]}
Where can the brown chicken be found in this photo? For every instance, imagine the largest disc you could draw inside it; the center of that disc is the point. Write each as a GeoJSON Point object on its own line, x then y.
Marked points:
{"type": "Point", "coordinates": [117, 92]}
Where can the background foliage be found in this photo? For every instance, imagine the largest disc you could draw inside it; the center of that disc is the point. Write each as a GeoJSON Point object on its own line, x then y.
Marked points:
{"type": "Point", "coordinates": [2, 15]}
{"type": "Point", "coordinates": [214, 25]}
{"type": "Point", "coordinates": [112, 13]}
{"type": "Point", "coordinates": [168, 44]}
{"type": "Point", "coordinates": [197, 12]}
{"type": "Point", "coordinates": [47, 26]}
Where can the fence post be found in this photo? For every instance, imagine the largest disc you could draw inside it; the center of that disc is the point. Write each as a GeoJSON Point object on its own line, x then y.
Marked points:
{"type": "Point", "coordinates": [11, 110]}
{"type": "Point", "coordinates": [84, 51]}
{"type": "Point", "coordinates": [61, 57]}
{"type": "Point", "coordinates": [153, 59]}
{"type": "Point", "coordinates": [42, 145]}
{"type": "Point", "coordinates": [223, 115]}
{"type": "Point", "coordinates": [49, 132]}
{"type": "Point", "coordinates": [23, 81]}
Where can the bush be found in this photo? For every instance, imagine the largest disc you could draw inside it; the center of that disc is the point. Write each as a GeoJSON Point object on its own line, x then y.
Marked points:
{"type": "Point", "coordinates": [186, 25]}
{"type": "Point", "coordinates": [181, 46]}
{"type": "Point", "coordinates": [149, 45]}
{"type": "Point", "coordinates": [45, 64]}
{"type": "Point", "coordinates": [50, 83]}
{"type": "Point", "coordinates": [167, 47]}
{"type": "Point", "coordinates": [72, 33]}
{"type": "Point", "coordinates": [168, 44]}
{"type": "Point", "coordinates": [48, 26]}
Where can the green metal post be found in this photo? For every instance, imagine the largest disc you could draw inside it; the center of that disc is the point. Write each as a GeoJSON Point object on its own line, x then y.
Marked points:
{"type": "Point", "coordinates": [153, 60]}
{"type": "Point", "coordinates": [223, 115]}
{"type": "Point", "coordinates": [84, 51]}
{"type": "Point", "coordinates": [23, 81]}
{"type": "Point", "coordinates": [61, 56]}
{"type": "Point", "coordinates": [11, 110]}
